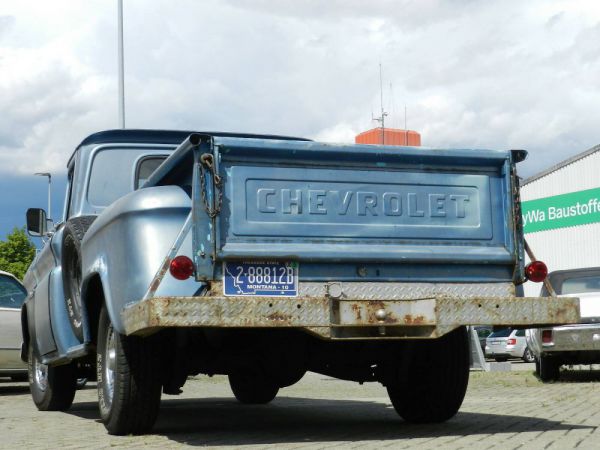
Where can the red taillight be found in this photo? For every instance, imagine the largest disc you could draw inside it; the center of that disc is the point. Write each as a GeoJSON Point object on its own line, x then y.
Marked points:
{"type": "Point", "coordinates": [181, 267]}
{"type": "Point", "coordinates": [536, 271]}
{"type": "Point", "coordinates": [511, 341]}
{"type": "Point", "coordinates": [547, 336]}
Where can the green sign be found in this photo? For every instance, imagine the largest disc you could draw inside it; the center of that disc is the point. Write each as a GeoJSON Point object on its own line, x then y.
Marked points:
{"type": "Point", "coordinates": [560, 211]}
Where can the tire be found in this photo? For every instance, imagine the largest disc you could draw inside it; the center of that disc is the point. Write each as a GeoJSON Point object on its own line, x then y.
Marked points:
{"type": "Point", "coordinates": [528, 355]}
{"type": "Point", "coordinates": [52, 387]}
{"type": "Point", "coordinates": [431, 384]}
{"type": "Point", "coordinates": [549, 368]}
{"type": "Point", "coordinates": [73, 233]}
{"type": "Point", "coordinates": [252, 389]}
{"type": "Point", "coordinates": [129, 382]}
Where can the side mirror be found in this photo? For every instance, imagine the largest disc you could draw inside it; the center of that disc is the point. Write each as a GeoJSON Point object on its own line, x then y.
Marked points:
{"type": "Point", "coordinates": [36, 222]}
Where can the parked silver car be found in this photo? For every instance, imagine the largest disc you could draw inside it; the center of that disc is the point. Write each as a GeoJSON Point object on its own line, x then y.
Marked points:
{"type": "Point", "coordinates": [12, 296]}
{"type": "Point", "coordinates": [508, 343]}
{"type": "Point", "coordinates": [569, 344]}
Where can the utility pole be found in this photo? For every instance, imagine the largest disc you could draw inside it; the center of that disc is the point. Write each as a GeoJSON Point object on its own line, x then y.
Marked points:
{"type": "Point", "coordinates": [381, 118]}
{"type": "Point", "coordinates": [121, 67]}
{"type": "Point", "coordinates": [47, 174]}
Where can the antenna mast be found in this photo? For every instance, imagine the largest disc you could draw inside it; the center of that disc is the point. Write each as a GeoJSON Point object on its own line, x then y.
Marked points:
{"type": "Point", "coordinates": [381, 118]}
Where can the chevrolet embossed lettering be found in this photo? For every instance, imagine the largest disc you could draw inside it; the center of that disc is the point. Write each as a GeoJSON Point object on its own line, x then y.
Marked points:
{"type": "Point", "coordinates": [371, 204]}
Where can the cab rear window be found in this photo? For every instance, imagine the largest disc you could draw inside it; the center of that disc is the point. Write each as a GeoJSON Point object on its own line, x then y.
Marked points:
{"type": "Point", "coordinates": [114, 170]}
{"type": "Point", "coordinates": [145, 168]}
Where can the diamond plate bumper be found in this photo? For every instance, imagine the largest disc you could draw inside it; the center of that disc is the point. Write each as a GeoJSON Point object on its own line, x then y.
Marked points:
{"type": "Point", "coordinates": [350, 316]}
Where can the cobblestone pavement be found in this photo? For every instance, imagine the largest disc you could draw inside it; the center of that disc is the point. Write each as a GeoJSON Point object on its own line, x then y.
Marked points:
{"type": "Point", "coordinates": [502, 410]}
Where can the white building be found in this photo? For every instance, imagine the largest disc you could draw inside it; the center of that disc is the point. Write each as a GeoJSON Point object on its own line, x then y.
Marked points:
{"type": "Point", "coordinates": [561, 214]}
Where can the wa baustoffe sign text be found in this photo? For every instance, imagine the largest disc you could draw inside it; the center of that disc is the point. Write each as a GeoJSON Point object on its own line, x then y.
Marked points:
{"type": "Point", "coordinates": [560, 211]}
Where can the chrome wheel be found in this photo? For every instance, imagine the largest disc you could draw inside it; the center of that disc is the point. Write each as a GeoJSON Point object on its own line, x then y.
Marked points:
{"type": "Point", "coordinates": [110, 364]}
{"type": "Point", "coordinates": [40, 373]}
{"type": "Point", "coordinates": [52, 387]}
{"type": "Point", "coordinates": [528, 356]}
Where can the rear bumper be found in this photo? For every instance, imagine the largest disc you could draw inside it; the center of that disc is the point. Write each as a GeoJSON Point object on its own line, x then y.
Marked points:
{"type": "Point", "coordinates": [574, 338]}
{"type": "Point", "coordinates": [515, 352]}
{"type": "Point", "coordinates": [504, 353]}
{"type": "Point", "coordinates": [348, 317]}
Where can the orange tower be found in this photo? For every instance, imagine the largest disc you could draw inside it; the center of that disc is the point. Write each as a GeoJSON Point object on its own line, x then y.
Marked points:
{"type": "Point", "coordinates": [389, 136]}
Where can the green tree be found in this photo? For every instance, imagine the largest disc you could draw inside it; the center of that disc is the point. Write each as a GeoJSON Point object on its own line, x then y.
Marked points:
{"type": "Point", "coordinates": [16, 253]}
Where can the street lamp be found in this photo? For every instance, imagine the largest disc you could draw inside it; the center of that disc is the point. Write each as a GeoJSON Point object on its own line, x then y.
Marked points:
{"type": "Point", "coordinates": [47, 174]}
{"type": "Point", "coordinates": [121, 65]}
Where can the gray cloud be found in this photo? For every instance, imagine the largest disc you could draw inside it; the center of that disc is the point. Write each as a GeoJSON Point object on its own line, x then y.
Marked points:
{"type": "Point", "coordinates": [407, 13]}
{"type": "Point", "coordinates": [472, 74]}
{"type": "Point", "coordinates": [6, 23]}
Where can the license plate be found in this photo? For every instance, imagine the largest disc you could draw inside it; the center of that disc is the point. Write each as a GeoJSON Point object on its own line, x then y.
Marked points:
{"type": "Point", "coordinates": [261, 279]}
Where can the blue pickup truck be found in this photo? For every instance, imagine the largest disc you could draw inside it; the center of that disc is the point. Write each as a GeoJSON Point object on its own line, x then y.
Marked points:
{"type": "Point", "coordinates": [263, 257]}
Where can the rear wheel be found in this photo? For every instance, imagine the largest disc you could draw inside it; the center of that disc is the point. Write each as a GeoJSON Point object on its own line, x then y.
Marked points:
{"type": "Point", "coordinates": [431, 385]}
{"type": "Point", "coordinates": [547, 368]}
{"type": "Point", "coordinates": [528, 355]}
{"type": "Point", "coordinates": [252, 388]}
{"type": "Point", "coordinates": [129, 385]}
{"type": "Point", "coordinates": [73, 233]}
{"type": "Point", "coordinates": [52, 387]}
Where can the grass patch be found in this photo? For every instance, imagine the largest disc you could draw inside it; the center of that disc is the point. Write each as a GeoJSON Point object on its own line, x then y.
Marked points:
{"type": "Point", "coordinates": [509, 379]}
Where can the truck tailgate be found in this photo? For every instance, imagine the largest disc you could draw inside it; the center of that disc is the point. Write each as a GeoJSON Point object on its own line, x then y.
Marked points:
{"type": "Point", "coordinates": [315, 202]}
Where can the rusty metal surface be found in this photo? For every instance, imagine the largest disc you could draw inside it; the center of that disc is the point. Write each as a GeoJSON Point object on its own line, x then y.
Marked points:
{"type": "Point", "coordinates": [224, 312]}
{"type": "Point", "coordinates": [506, 310]}
{"type": "Point", "coordinates": [348, 318]}
{"type": "Point", "coordinates": [407, 291]}
{"type": "Point", "coordinates": [391, 312]}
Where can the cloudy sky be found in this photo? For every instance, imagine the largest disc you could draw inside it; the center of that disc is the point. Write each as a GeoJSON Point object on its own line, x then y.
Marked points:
{"type": "Point", "coordinates": [494, 74]}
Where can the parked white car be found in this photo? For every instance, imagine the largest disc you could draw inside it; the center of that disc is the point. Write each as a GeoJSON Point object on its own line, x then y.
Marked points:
{"type": "Point", "coordinates": [507, 343]}
{"type": "Point", "coordinates": [569, 344]}
{"type": "Point", "coordinates": [12, 296]}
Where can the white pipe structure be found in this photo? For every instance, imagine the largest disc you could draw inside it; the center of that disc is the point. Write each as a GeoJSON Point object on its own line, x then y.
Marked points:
{"type": "Point", "coordinates": [47, 174]}
{"type": "Point", "coordinates": [121, 68]}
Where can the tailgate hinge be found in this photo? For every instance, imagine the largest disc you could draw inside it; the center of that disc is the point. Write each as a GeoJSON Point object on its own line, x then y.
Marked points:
{"type": "Point", "coordinates": [207, 184]}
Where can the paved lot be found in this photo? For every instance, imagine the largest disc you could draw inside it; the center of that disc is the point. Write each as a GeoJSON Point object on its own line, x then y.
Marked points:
{"type": "Point", "coordinates": [503, 410]}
